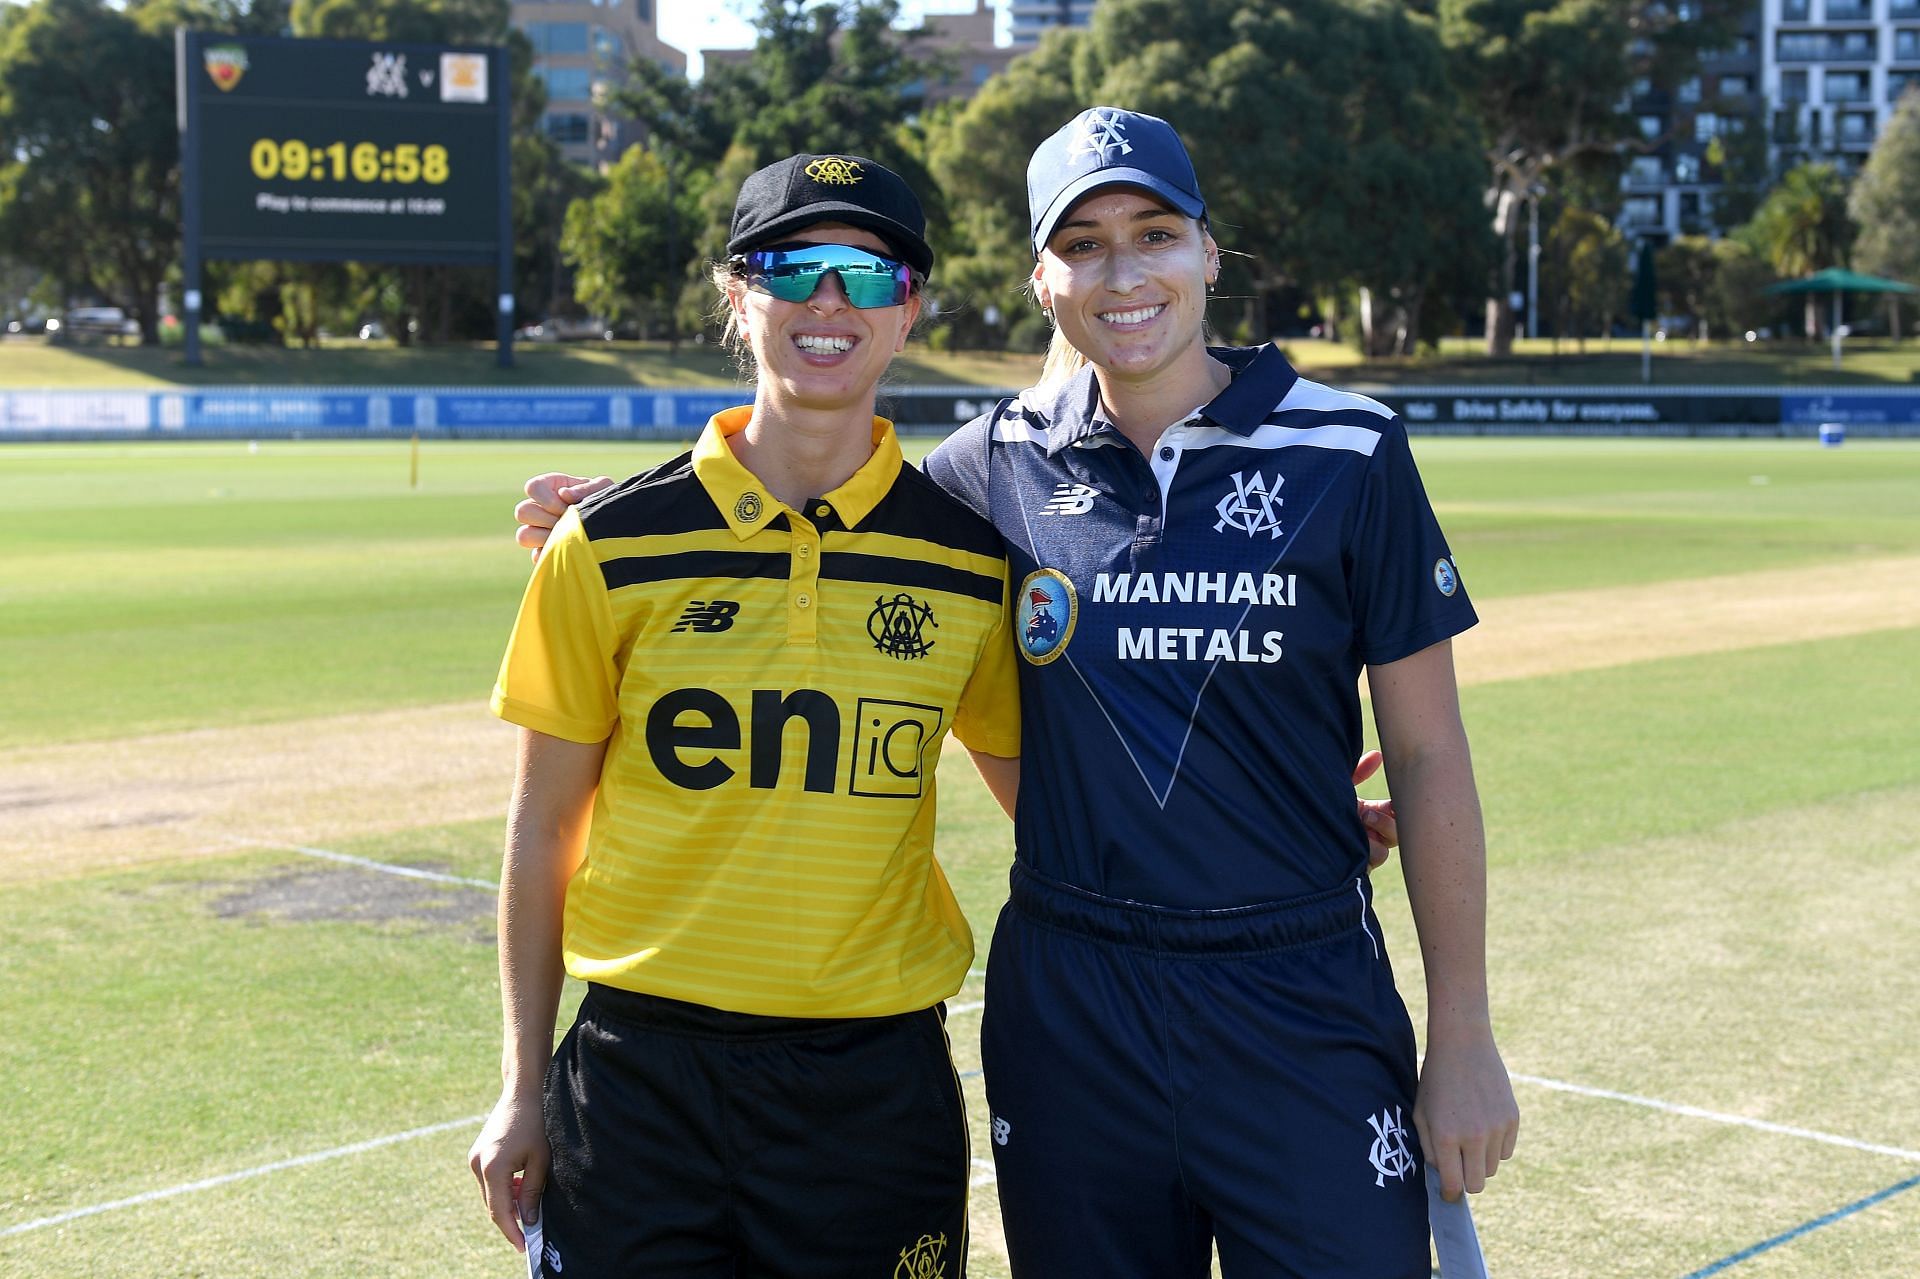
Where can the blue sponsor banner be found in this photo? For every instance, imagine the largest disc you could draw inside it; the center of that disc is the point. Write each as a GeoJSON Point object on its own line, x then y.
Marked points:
{"type": "Point", "coordinates": [691, 409]}
{"type": "Point", "coordinates": [640, 413]}
{"type": "Point", "coordinates": [539, 412]}
{"type": "Point", "coordinates": [1852, 409]}
{"type": "Point", "coordinates": [223, 410]}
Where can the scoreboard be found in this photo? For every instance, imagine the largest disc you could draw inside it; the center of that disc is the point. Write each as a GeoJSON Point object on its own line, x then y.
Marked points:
{"type": "Point", "coordinates": [343, 150]}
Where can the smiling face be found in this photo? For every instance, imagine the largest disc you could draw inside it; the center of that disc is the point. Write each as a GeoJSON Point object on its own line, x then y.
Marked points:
{"type": "Point", "coordinates": [823, 353]}
{"type": "Point", "coordinates": [1126, 279]}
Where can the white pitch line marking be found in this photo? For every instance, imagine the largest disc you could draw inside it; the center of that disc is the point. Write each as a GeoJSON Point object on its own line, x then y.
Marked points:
{"type": "Point", "coordinates": [986, 1172]}
{"type": "Point", "coordinates": [298, 1161]}
{"type": "Point", "coordinates": [367, 863]}
{"type": "Point", "coordinates": [954, 1010]}
{"type": "Point", "coordinates": [1696, 1112]}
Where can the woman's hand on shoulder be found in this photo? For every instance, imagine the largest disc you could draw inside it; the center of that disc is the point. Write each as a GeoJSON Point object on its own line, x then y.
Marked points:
{"type": "Point", "coordinates": [548, 497]}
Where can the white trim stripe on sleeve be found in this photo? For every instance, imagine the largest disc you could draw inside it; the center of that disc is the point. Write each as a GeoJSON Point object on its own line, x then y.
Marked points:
{"type": "Point", "coordinates": [1353, 439]}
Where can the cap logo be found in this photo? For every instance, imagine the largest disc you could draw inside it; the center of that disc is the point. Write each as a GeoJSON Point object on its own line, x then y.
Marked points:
{"type": "Point", "coordinates": [831, 170]}
{"type": "Point", "coordinates": [1101, 133]}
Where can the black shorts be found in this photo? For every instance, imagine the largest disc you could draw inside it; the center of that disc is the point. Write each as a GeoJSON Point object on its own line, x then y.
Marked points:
{"type": "Point", "coordinates": [691, 1143]}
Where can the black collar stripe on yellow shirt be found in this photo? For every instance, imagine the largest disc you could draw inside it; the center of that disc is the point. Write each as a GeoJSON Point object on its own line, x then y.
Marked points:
{"type": "Point", "coordinates": [635, 569]}
{"type": "Point", "coordinates": [888, 571]}
{"type": "Point", "coordinates": [762, 834]}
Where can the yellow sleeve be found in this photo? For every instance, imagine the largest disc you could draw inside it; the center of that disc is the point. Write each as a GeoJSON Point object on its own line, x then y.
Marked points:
{"type": "Point", "coordinates": [988, 717]}
{"type": "Point", "coordinates": [561, 673]}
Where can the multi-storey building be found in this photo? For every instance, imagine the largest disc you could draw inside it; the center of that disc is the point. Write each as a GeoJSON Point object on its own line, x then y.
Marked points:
{"type": "Point", "coordinates": [581, 50]}
{"type": "Point", "coordinates": [1032, 18]}
{"type": "Point", "coordinates": [1821, 77]}
{"type": "Point", "coordinates": [1833, 70]}
{"type": "Point", "coordinates": [1671, 180]}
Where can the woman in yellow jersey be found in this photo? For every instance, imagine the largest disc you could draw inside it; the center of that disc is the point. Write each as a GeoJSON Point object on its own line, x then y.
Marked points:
{"type": "Point", "coordinates": [732, 675]}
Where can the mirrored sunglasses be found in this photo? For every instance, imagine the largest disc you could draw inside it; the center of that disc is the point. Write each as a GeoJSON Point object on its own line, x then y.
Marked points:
{"type": "Point", "coordinates": [792, 274]}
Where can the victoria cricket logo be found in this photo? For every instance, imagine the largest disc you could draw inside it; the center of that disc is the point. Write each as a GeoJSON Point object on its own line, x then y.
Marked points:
{"type": "Point", "coordinates": [1252, 507]}
{"type": "Point", "coordinates": [898, 626]}
{"type": "Point", "coordinates": [1389, 1154]}
{"type": "Point", "coordinates": [387, 76]}
{"type": "Point", "coordinates": [927, 1259]}
{"type": "Point", "coordinates": [1100, 134]}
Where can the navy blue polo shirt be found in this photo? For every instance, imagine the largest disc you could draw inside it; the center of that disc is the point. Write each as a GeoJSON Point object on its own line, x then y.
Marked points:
{"type": "Point", "coordinates": [1193, 624]}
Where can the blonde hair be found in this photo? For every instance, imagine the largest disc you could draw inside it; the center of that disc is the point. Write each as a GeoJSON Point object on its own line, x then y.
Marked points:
{"type": "Point", "coordinates": [1064, 359]}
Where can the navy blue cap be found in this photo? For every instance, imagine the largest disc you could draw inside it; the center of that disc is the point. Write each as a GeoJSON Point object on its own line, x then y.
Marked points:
{"type": "Point", "coordinates": [1103, 147]}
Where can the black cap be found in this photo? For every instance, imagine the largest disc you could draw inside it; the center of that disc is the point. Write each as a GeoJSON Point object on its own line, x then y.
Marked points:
{"type": "Point", "coordinates": [804, 189]}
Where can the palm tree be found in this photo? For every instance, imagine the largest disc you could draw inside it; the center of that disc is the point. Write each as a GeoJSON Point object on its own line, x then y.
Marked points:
{"type": "Point", "coordinates": [1803, 227]}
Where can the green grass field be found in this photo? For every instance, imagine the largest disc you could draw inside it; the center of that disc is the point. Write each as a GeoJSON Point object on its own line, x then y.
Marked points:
{"type": "Point", "coordinates": [237, 1059]}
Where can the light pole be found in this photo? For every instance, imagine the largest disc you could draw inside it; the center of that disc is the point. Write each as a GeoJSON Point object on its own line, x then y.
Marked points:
{"type": "Point", "coordinates": [1533, 259]}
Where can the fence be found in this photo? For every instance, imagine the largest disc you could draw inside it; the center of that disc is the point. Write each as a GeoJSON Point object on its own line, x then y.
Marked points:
{"type": "Point", "coordinates": [456, 413]}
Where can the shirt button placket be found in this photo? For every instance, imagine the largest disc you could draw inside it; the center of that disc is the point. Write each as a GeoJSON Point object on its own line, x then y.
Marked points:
{"type": "Point", "coordinates": [803, 583]}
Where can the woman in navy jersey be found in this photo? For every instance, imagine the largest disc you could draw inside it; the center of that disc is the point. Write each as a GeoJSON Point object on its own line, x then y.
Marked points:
{"type": "Point", "coordinates": [1192, 1037]}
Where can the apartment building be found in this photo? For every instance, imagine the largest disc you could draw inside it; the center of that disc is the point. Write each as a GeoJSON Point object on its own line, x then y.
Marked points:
{"type": "Point", "coordinates": [1032, 18]}
{"type": "Point", "coordinates": [581, 50]}
{"type": "Point", "coordinates": [1671, 180]}
{"type": "Point", "coordinates": [1821, 77]}
{"type": "Point", "coordinates": [1833, 70]}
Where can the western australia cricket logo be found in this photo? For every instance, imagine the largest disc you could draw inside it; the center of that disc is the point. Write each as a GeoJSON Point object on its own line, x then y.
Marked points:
{"type": "Point", "coordinates": [226, 63]}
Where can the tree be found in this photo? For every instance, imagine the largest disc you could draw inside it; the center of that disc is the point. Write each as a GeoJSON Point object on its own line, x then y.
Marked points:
{"type": "Point", "coordinates": [1802, 227]}
{"type": "Point", "coordinates": [833, 77]}
{"type": "Point", "coordinates": [1324, 132]}
{"type": "Point", "coordinates": [89, 160]}
{"type": "Point", "coordinates": [977, 152]}
{"type": "Point", "coordinates": [631, 245]}
{"type": "Point", "coordinates": [1739, 300]}
{"type": "Point", "coordinates": [1548, 82]}
{"type": "Point", "coordinates": [1583, 263]}
{"type": "Point", "coordinates": [1685, 269]}
{"type": "Point", "coordinates": [1885, 201]}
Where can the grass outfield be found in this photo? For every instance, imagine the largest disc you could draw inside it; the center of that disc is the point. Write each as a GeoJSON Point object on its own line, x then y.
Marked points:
{"type": "Point", "coordinates": [1703, 868]}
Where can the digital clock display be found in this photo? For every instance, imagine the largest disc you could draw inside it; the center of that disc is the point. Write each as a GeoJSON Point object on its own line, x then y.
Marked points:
{"type": "Point", "coordinates": [405, 163]}
{"type": "Point", "coordinates": [349, 150]}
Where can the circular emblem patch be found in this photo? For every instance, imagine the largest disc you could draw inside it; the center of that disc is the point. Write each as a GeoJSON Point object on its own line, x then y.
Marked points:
{"type": "Point", "coordinates": [747, 509]}
{"type": "Point", "coordinates": [1445, 580]}
{"type": "Point", "coordinates": [1046, 610]}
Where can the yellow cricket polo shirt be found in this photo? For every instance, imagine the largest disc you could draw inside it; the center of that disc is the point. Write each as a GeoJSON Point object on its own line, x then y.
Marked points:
{"type": "Point", "coordinates": [776, 684]}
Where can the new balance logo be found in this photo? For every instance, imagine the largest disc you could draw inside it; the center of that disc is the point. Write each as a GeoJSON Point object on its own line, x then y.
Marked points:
{"type": "Point", "coordinates": [1070, 499]}
{"type": "Point", "coordinates": [1002, 1130]}
{"type": "Point", "coordinates": [707, 616]}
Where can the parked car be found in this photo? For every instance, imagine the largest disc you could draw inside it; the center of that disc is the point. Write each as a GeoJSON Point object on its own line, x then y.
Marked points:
{"type": "Point", "coordinates": [84, 322]}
